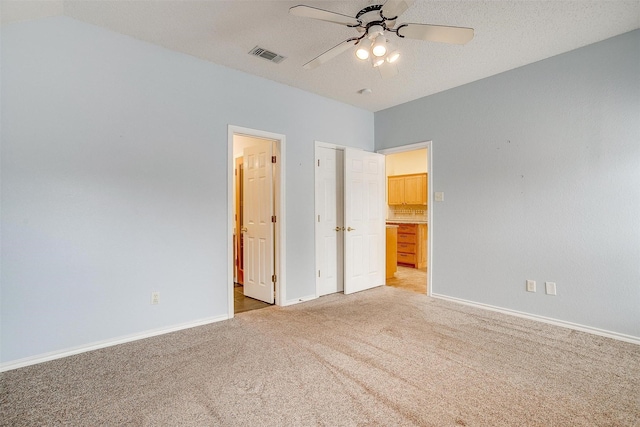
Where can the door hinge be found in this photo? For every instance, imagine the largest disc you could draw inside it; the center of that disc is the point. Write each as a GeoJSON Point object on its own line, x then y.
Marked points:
{"type": "Point", "coordinates": [318, 162]}
{"type": "Point", "coordinates": [274, 278]}
{"type": "Point", "coordinates": [318, 273]}
{"type": "Point", "coordinates": [273, 218]}
{"type": "Point", "coordinates": [318, 218]}
{"type": "Point", "coordinates": [273, 159]}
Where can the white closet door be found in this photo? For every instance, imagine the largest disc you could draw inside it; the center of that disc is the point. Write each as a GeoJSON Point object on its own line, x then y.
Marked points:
{"type": "Point", "coordinates": [364, 180]}
{"type": "Point", "coordinates": [329, 220]}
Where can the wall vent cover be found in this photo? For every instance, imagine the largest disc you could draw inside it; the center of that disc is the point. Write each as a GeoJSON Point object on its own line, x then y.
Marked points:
{"type": "Point", "coordinates": [267, 54]}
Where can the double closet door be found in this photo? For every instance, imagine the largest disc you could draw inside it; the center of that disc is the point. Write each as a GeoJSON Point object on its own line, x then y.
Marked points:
{"type": "Point", "coordinates": [350, 220]}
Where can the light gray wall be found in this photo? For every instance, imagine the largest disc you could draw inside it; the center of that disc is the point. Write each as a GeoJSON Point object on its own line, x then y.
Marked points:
{"type": "Point", "coordinates": [541, 172]}
{"type": "Point", "coordinates": [114, 181]}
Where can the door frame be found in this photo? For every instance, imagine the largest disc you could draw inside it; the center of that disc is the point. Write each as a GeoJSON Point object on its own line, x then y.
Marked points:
{"type": "Point", "coordinates": [238, 194]}
{"type": "Point", "coordinates": [417, 146]}
{"type": "Point", "coordinates": [279, 210]}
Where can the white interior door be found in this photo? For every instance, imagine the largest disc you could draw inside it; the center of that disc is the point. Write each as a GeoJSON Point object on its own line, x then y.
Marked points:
{"type": "Point", "coordinates": [364, 187]}
{"type": "Point", "coordinates": [258, 228]}
{"type": "Point", "coordinates": [329, 217]}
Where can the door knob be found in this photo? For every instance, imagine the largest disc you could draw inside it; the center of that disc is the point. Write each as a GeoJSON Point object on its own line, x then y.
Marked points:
{"type": "Point", "coordinates": [351, 229]}
{"type": "Point", "coordinates": [243, 230]}
{"type": "Point", "coordinates": [337, 228]}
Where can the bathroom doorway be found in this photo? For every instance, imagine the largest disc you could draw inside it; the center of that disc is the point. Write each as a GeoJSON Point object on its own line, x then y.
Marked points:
{"type": "Point", "coordinates": [255, 219]}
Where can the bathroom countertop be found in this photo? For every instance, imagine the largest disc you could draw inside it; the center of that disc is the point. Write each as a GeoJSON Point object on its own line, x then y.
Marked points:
{"type": "Point", "coordinates": [407, 221]}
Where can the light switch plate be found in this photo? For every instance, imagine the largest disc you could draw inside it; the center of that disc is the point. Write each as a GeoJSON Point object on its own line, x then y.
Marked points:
{"type": "Point", "coordinates": [439, 196]}
{"type": "Point", "coordinates": [531, 285]}
{"type": "Point", "coordinates": [550, 288]}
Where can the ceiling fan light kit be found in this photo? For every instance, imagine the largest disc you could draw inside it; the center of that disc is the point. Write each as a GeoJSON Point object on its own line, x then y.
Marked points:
{"type": "Point", "coordinates": [374, 23]}
{"type": "Point", "coordinates": [393, 56]}
{"type": "Point", "coordinates": [362, 52]}
{"type": "Point", "coordinates": [380, 46]}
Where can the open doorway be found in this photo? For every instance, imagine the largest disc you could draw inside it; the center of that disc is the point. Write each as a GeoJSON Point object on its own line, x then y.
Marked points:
{"type": "Point", "coordinates": [256, 220]}
{"type": "Point", "coordinates": [408, 173]}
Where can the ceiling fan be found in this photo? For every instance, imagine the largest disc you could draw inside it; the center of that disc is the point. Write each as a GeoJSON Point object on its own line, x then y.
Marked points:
{"type": "Point", "coordinates": [375, 23]}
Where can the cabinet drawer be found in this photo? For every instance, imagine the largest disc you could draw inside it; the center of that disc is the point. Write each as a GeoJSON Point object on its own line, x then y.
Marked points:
{"type": "Point", "coordinates": [406, 258]}
{"type": "Point", "coordinates": [407, 248]}
{"type": "Point", "coordinates": [407, 228]}
{"type": "Point", "coordinates": [406, 238]}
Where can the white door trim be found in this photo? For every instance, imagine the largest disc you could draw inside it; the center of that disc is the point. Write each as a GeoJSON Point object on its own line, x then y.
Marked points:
{"type": "Point", "coordinates": [329, 145]}
{"type": "Point", "coordinates": [279, 203]}
{"type": "Point", "coordinates": [429, 146]}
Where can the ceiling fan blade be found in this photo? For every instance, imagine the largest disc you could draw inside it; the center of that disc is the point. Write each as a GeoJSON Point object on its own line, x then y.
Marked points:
{"type": "Point", "coordinates": [330, 54]}
{"type": "Point", "coordinates": [388, 70]}
{"type": "Point", "coordinates": [394, 8]}
{"type": "Point", "coordinates": [436, 33]}
{"type": "Point", "coordinates": [323, 15]}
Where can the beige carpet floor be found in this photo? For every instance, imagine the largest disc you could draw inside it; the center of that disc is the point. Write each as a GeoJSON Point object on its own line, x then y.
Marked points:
{"type": "Point", "coordinates": [384, 357]}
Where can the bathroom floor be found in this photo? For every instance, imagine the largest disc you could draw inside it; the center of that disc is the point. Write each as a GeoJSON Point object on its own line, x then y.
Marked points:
{"type": "Point", "coordinates": [412, 279]}
{"type": "Point", "coordinates": [242, 303]}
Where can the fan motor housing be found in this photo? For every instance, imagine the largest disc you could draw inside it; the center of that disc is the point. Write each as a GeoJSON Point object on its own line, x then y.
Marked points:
{"type": "Point", "coordinates": [368, 9]}
{"type": "Point", "coordinates": [372, 16]}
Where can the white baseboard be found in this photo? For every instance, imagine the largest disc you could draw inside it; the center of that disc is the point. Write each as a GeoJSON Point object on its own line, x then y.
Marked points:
{"type": "Point", "coordinates": [299, 300]}
{"type": "Point", "coordinates": [556, 322]}
{"type": "Point", "coordinates": [27, 361]}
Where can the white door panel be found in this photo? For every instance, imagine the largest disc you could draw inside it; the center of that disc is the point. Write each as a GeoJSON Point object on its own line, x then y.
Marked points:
{"type": "Point", "coordinates": [364, 182]}
{"type": "Point", "coordinates": [329, 216]}
{"type": "Point", "coordinates": [257, 227]}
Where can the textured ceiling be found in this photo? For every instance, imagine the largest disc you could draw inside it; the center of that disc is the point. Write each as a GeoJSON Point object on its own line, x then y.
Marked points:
{"type": "Point", "coordinates": [508, 34]}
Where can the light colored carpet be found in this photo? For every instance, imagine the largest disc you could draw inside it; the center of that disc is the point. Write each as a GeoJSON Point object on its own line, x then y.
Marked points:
{"type": "Point", "coordinates": [378, 358]}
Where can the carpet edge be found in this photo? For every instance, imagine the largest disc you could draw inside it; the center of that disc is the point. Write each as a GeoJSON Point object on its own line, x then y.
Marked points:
{"type": "Point", "coordinates": [562, 323]}
{"type": "Point", "coordinates": [46, 357]}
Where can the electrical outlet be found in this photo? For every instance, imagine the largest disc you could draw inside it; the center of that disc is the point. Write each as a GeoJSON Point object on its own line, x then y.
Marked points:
{"type": "Point", "coordinates": [155, 298]}
{"type": "Point", "coordinates": [550, 288]}
{"type": "Point", "coordinates": [531, 285]}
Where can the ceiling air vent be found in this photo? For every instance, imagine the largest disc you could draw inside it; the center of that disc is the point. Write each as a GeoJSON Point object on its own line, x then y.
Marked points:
{"type": "Point", "coordinates": [267, 54]}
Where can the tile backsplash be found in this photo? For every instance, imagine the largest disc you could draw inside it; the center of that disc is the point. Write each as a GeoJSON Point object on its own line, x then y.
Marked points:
{"type": "Point", "coordinates": [416, 212]}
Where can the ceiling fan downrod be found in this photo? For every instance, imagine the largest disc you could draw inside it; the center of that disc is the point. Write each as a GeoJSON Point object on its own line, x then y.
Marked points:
{"type": "Point", "coordinates": [381, 22]}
